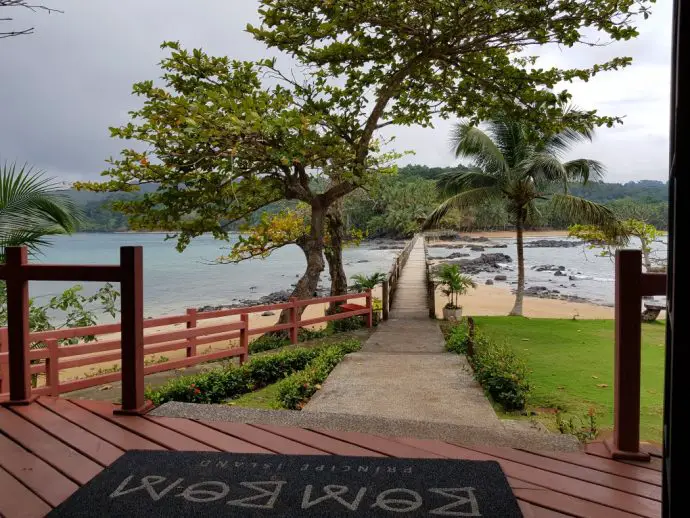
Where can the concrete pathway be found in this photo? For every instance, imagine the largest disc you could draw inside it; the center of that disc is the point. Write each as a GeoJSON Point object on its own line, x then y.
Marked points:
{"type": "Point", "coordinates": [403, 372]}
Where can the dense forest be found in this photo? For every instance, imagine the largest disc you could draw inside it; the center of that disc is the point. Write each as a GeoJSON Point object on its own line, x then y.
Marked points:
{"type": "Point", "coordinates": [397, 205]}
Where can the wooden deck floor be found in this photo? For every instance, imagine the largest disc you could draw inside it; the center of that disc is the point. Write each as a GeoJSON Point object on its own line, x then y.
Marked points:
{"type": "Point", "coordinates": [50, 448]}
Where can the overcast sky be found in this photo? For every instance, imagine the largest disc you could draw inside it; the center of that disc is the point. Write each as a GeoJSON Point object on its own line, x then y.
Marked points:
{"type": "Point", "coordinates": [62, 87]}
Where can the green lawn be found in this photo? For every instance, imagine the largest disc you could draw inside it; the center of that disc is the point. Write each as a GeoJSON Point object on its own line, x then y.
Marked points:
{"type": "Point", "coordinates": [266, 398]}
{"type": "Point", "coordinates": [571, 363]}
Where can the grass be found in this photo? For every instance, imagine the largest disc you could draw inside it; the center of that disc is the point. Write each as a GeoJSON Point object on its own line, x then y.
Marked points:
{"type": "Point", "coordinates": [571, 367]}
{"type": "Point", "coordinates": [266, 398]}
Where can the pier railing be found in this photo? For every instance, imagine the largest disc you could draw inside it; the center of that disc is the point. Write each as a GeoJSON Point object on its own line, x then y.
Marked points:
{"type": "Point", "coordinates": [391, 283]}
{"type": "Point", "coordinates": [118, 351]}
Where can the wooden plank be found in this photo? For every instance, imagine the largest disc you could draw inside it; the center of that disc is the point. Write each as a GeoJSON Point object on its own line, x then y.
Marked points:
{"type": "Point", "coordinates": [604, 464]}
{"type": "Point", "coordinates": [535, 511]}
{"type": "Point", "coordinates": [653, 449]}
{"type": "Point", "coordinates": [37, 475]}
{"type": "Point", "coordinates": [594, 494]}
{"type": "Point", "coordinates": [90, 445]}
{"type": "Point", "coordinates": [569, 505]}
{"type": "Point", "coordinates": [381, 445]}
{"type": "Point", "coordinates": [573, 471]}
{"type": "Point", "coordinates": [207, 435]}
{"type": "Point", "coordinates": [262, 438]}
{"type": "Point", "coordinates": [103, 428]}
{"type": "Point", "coordinates": [65, 459]}
{"type": "Point", "coordinates": [600, 450]}
{"type": "Point", "coordinates": [18, 501]}
{"type": "Point", "coordinates": [317, 440]}
{"type": "Point", "coordinates": [152, 431]}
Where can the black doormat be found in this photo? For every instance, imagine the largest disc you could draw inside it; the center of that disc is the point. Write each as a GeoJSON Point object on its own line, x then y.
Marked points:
{"type": "Point", "coordinates": [168, 484]}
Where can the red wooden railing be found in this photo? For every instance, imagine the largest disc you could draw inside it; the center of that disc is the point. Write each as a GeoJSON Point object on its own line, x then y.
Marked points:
{"type": "Point", "coordinates": [631, 285]}
{"type": "Point", "coordinates": [50, 358]}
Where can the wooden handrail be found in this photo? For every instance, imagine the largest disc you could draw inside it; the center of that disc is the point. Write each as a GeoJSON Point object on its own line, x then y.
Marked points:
{"type": "Point", "coordinates": [631, 285]}
{"type": "Point", "coordinates": [133, 345]}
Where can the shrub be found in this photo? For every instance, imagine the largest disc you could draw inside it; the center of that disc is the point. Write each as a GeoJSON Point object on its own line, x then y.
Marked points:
{"type": "Point", "coordinates": [457, 338]}
{"type": "Point", "coordinates": [268, 342]}
{"type": "Point", "coordinates": [306, 334]}
{"type": "Point", "coordinates": [217, 385]}
{"type": "Point", "coordinates": [501, 372]}
{"type": "Point", "coordinates": [348, 324]}
{"type": "Point", "coordinates": [296, 389]}
{"type": "Point", "coordinates": [585, 428]}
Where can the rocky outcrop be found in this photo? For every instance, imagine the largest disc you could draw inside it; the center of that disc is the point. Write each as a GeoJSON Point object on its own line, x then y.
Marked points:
{"type": "Point", "coordinates": [548, 268]}
{"type": "Point", "coordinates": [484, 263]}
{"type": "Point", "coordinates": [543, 292]}
{"type": "Point", "coordinates": [552, 243]}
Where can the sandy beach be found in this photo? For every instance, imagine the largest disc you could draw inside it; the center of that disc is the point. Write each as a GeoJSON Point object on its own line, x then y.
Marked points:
{"type": "Point", "coordinates": [499, 300]}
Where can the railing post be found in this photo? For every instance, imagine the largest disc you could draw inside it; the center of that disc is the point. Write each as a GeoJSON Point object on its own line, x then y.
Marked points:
{"type": "Point", "coordinates": [52, 367]}
{"type": "Point", "coordinates": [18, 326]}
{"type": "Point", "coordinates": [4, 373]}
{"type": "Point", "coordinates": [294, 321]}
{"type": "Point", "coordinates": [132, 331]}
{"type": "Point", "coordinates": [369, 316]}
{"type": "Point", "coordinates": [191, 341]}
{"type": "Point", "coordinates": [628, 359]}
{"type": "Point", "coordinates": [385, 289]}
{"type": "Point", "coordinates": [244, 338]}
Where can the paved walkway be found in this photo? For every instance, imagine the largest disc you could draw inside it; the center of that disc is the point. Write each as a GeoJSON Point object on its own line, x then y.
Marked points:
{"type": "Point", "coordinates": [403, 371]}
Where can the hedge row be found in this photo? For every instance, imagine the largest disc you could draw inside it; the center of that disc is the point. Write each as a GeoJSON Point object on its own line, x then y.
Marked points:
{"type": "Point", "coordinates": [218, 385]}
{"type": "Point", "coordinates": [296, 389]}
{"type": "Point", "coordinates": [497, 368]}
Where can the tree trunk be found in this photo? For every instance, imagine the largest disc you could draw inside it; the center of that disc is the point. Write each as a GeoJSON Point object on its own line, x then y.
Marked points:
{"type": "Point", "coordinates": [520, 293]}
{"type": "Point", "coordinates": [646, 248]}
{"type": "Point", "coordinates": [334, 251]}
{"type": "Point", "coordinates": [312, 246]}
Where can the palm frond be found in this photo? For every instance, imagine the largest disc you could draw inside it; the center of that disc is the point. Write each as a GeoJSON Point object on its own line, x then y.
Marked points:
{"type": "Point", "coordinates": [461, 201]}
{"type": "Point", "coordinates": [579, 210]}
{"type": "Point", "coordinates": [545, 167]}
{"type": "Point", "coordinates": [453, 182]}
{"type": "Point", "coordinates": [583, 170]}
{"type": "Point", "coordinates": [30, 207]}
{"type": "Point", "coordinates": [470, 141]}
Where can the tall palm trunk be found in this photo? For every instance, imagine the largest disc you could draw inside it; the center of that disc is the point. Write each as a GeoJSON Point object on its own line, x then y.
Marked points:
{"type": "Point", "coordinates": [520, 293]}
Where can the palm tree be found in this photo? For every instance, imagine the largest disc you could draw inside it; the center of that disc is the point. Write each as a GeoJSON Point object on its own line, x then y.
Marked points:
{"type": "Point", "coordinates": [31, 209]}
{"type": "Point", "coordinates": [513, 165]}
{"type": "Point", "coordinates": [368, 282]}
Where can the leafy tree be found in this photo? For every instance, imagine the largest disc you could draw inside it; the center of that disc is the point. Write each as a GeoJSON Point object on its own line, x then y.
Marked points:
{"type": "Point", "coordinates": [221, 146]}
{"type": "Point", "coordinates": [421, 58]}
{"type": "Point", "coordinates": [31, 209]}
{"type": "Point", "coordinates": [363, 282]}
{"type": "Point", "coordinates": [597, 237]}
{"type": "Point", "coordinates": [517, 167]}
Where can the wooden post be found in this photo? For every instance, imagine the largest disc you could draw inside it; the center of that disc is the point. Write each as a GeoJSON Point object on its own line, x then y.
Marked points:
{"type": "Point", "coordinates": [4, 373]}
{"type": "Point", "coordinates": [52, 367]}
{"type": "Point", "coordinates": [628, 349]}
{"type": "Point", "coordinates": [191, 341]}
{"type": "Point", "coordinates": [244, 338]}
{"type": "Point", "coordinates": [294, 321]}
{"type": "Point", "coordinates": [369, 316]}
{"type": "Point", "coordinates": [385, 296]}
{"type": "Point", "coordinates": [18, 326]}
{"type": "Point", "coordinates": [132, 331]}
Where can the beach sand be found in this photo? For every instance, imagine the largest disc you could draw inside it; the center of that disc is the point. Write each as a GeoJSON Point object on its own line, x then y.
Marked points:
{"type": "Point", "coordinates": [499, 300]}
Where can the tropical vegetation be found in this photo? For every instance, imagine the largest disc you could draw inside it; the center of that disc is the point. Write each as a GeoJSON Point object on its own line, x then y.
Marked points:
{"type": "Point", "coordinates": [454, 284]}
{"type": "Point", "coordinates": [512, 163]}
{"type": "Point", "coordinates": [362, 282]}
{"type": "Point", "coordinates": [32, 209]}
